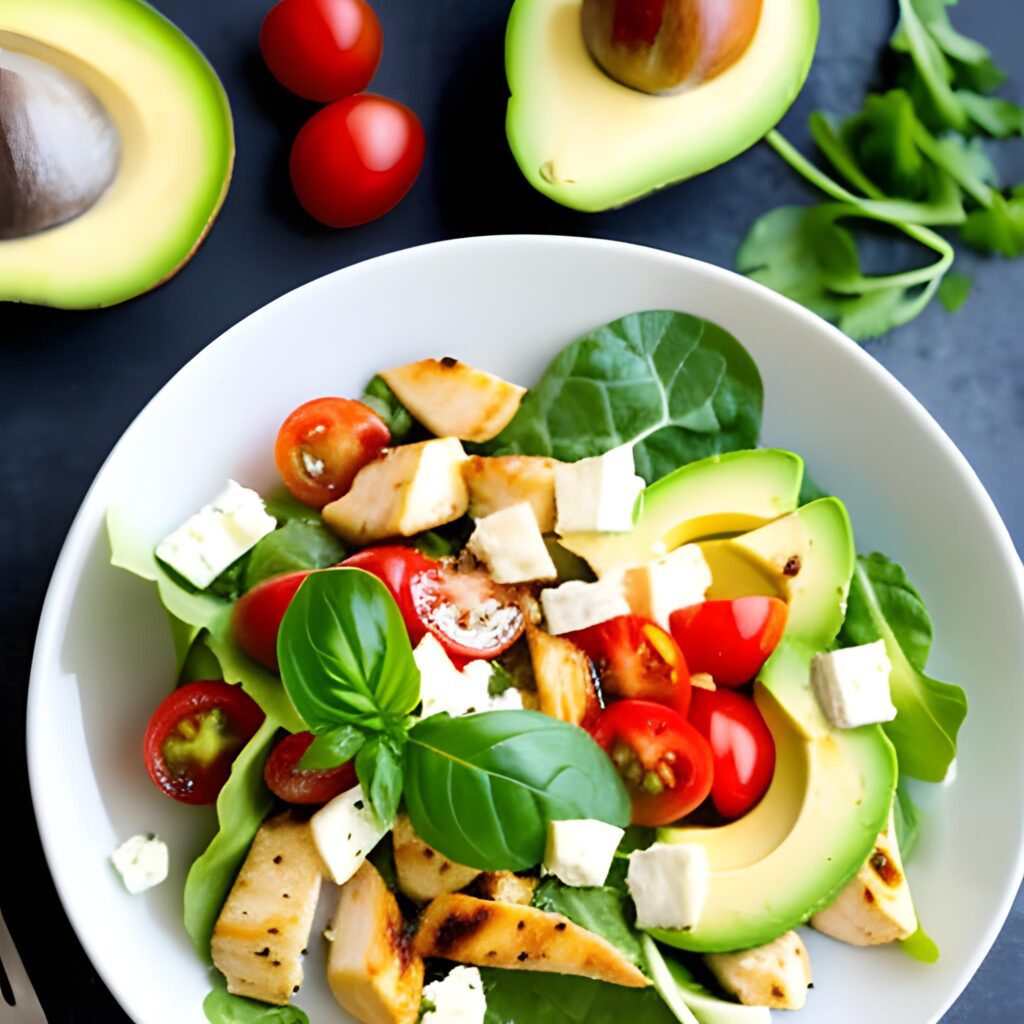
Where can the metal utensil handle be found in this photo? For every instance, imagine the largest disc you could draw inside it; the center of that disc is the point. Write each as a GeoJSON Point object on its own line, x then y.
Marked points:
{"type": "Point", "coordinates": [27, 1008]}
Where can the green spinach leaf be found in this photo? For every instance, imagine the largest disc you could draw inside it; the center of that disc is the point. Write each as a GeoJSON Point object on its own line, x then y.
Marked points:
{"type": "Point", "coordinates": [288, 509]}
{"type": "Point", "coordinates": [221, 1007]}
{"type": "Point", "coordinates": [883, 605]}
{"type": "Point", "coordinates": [296, 545]}
{"type": "Point", "coordinates": [677, 387]}
{"type": "Point", "coordinates": [601, 910]}
{"type": "Point", "coordinates": [482, 789]}
{"type": "Point", "coordinates": [384, 402]}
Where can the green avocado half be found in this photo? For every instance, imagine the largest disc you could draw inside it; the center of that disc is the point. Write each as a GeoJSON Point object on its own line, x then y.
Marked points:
{"type": "Point", "coordinates": [590, 143]}
{"type": "Point", "coordinates": [832, 789]}
{"type": "Point", "coordinates": [116, 149]}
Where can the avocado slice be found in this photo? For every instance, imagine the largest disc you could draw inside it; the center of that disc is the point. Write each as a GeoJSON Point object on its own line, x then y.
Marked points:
{"type": "Point", "coordinates": [116, 149]}
{"type": "Point", "coordinates": [588, 142]}
{"type": "Point", "coordinates": [832, 789]}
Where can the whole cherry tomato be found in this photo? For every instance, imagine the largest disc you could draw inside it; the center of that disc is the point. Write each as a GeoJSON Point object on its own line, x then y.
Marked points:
{"type": "Point", "coordinates": [295, 786]}
{"type": "Point", "coordinates": [664, 761]}
{"type": "Point", "coordinates": [323, 444]}
{"type": "Point", "coordinates": [636, 658]}
{"type": "Point", "coordinates": [194, 736]}
{"type": "Point", "coordinates": [355, 160]}
{"type": "Point", "coordinates": [469, 614]}
{"type": "Point", "coordinates": [731, 640]}
{"type": "Point", "coordinates": [742, 748]}
{"type": "Point", "coordinates": [257, 616]}
{"type": "Point", "coordinates": [322, 49]}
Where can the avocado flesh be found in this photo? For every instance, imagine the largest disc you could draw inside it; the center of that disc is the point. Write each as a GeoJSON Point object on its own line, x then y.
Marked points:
{"type": "Point", "coordinates": [176, 149]}
{"type": "Point", "coordinates": [591, 143]}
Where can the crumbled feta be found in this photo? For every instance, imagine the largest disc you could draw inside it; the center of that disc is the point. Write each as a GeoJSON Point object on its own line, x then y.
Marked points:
{"type": "Point", "coordinates": [458, 998]}
{"type": "Point", "coordinates": [510, 544]}
{"type": "Point", "coordinates": [345, 831]}
{"type": "Point", "coordinates": [852, 685]}
{"type": "Point", "coordinates": [576, 605]}
{"type": "Point", "coordinates": [443, 688]}
{"type": "Point", "coordinates": [676, 580]}
{"type": "Point", "coordinates": [141, 862]}
{"type": "Point", "coordinates": [580, 851]}
{"type": "Point", "coordinates": [669, 884]}
{"type": "Point", "coordinates": [217, 535]}
{"type": "Point", "coordinates": [598, 493]}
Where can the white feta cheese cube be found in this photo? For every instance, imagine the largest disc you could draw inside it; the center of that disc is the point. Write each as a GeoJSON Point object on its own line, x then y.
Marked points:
{"type": "Point", "coordinates": [141, 862]}
{"type": "Point", "coordinates": [576, 605]}
{"type": "Point", "coordinates": [217, 535]}
{"type": "Point", "coordinates": [443, 688]}
{"type": "Point", "coordinates": [852, 685]}
{"type": "Point", "coordinates": [580, 851]}
{"type": "Point", "coordinates": [458, 998]}
{"type": "Point", "coordinates": [510, 544]}
{"type": "Point", "coordinates": [669, 884]}
{"type": "Point", "coordinates": [675, 580]}
{"type": "Point", "coordinates": [598, 493]}
{"type": "Point", "coordinates": [344, 832]}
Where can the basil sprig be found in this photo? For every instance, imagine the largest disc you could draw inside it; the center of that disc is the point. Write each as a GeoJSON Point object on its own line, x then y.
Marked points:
{"type": "Point", "coordinates": [480, 789]}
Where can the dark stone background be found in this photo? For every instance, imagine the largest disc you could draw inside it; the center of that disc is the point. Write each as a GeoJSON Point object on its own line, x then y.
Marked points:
{"type": "Point", "coordinates": [71, 382]}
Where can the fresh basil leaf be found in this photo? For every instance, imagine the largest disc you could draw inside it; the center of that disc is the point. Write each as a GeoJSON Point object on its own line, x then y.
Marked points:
{"type": "Point", "coordinates": [514, 997]}
{"type": "Point", "coordinates": [601, 910]}
{"type": "Point", "coordinates": [954, 290]}
{"type": "Point", "coordinates": [345, 655]}
{"type": "Point", "coordinates": [379, 767]}
{"type": "Point", "coordinates": [332, 748]}
{"type": "Point", "coordinates": [242, 805]}
{"type": "Point", "coordinates": [383, 401]}
{"type": "Point", "coordinates": [295, 546]}
{"type": "Point", "coordinates": [884, 605]}
{"type": "Point", "coordinates": [907, 817]}
{"type": "Point", "coordinates": [221, 1007]}
{"type": "Point", "coordinates": [677, 387]}
{"type": "Point", "coordinates": [382, 857]}
{"type": "Point", "coordinates": [483, 788]}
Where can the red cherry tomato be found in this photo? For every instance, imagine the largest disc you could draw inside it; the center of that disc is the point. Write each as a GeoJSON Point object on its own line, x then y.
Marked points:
{"type": "Point", "coordinates": [322, 49]}
{"type": "Point", "coordinates": [323, 444]}
{"type": "Point", "coordinates": [469, 614]}
{"type": "Point", "coordinates": [257, 616]}
{"type": "Point", "coordinates": [355, 160]}
{"type": "Point", "coordinates": [317, 786]}
{"type": "Point", "coordinates": [194, 736]}
{"type": "Point", "coordinates": [742, 748]}
{"type": "Point", "coordinates": [636, 658]}
{"type": "Point", "coordinates": [664, 761]}
{"type": "Point", "coordinates": [731, 640]}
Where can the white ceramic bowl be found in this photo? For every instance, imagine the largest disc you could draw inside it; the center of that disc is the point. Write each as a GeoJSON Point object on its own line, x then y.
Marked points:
{"type": "Point", "coordinates": [103, 655]}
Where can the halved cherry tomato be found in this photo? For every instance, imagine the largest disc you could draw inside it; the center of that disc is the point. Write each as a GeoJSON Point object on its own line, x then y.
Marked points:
{"type": "Point", "coordinates": [469, 614]}
{"type": "Point", "coordinates": [664, 761]}
{"type": "Point", "coordinates": [742, 748]}
{"type": "Point", "coordinates": [323, 444]}
{"type": "Point", "coordinates": [322, 49]}
{"type": "Point", "coordinates": [318, 786]}
{"type": "Point", "coordinates": [636, 658]}
{"type": "Point", "coordinates": [194, 736]}
{"type": "Point", "coordinates": [731, 640]}
{"type": "Point", "coordinates": [257, 616]}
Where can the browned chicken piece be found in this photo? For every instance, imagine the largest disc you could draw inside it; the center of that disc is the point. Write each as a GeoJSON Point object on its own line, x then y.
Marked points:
{"type": "Point", "coordinates": [776, 975]}
{"type": "Point", "coordinates": [423, 873]}
{"type": "Point", "coordinates": [505, 887]}
{"type": "Point", "coordinates": [373, 972]}
{"type": "Point", "coordinates": [473, 931]}
{"type": "Point", "coordinates": [264, 925]}
{"type": "Point", "coordinates": [565, 681]}
{"type": "Point", "coordinates": [500, 481]}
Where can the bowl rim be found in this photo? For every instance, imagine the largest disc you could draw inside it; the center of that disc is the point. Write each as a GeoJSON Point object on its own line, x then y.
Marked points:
{"type": "Point", "coordinates": [90, 514]}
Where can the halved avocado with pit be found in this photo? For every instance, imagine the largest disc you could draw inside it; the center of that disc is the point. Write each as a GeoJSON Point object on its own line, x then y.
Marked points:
{"type": "Point", "coordinates": [116, 149]}
{"type": "Point", "coordinates": [589, 142]}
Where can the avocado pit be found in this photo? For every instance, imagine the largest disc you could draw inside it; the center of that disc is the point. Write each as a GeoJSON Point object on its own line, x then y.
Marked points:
{"type": "Point", "coordinates": [59, 148]}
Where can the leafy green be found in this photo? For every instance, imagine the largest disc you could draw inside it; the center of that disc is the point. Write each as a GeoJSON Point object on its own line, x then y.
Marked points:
{"type": "Point", "coordinates": [444, 541]}
{"type": "Point", "coordinates": [921, 946]}
{"type": "Point", "coordinates": [286, 508]}
{"type": "Point", "coordinates": [883, 604]}
{"type": "Point", "coordinates": [296, 545]}
{"type": "Point", "coordinates": [907, 817]}
{"type": "Point", "coordinates": [345, 655]}
{"type": "Point", "coordinates": [332, 748]}
{"type": "Point", "coordinates": [1000, 227]}
{"type": "Point", "coordinates": [482, 789]}
{"type": "Point", "coordinates": [500, 681]}
{"type": "Point", "coordinates": [242, 805]}
{"type": "Point", "coordinates": [383, 401]}
{"type": "Point", "coordinates": [676, 387]}
{"type": "Point", "coordinates": [221, 1007]}
{"type": "Point", "coordinates": [379, 767]}
{"type": "Point", "coordinates": [954, 290]}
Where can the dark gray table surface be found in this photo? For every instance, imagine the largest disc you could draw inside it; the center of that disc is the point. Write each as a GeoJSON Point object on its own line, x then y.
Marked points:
{"type": "Point", "coordinates": [71, 382]}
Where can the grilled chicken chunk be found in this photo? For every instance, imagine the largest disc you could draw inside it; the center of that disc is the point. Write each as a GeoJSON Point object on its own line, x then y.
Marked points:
{"type": "Point", "coordinates": [265, 923]}
{"type": "Point", "coordinates": [502, 481]}
{"type": "Point", "coordinates": [423, 873]}
{"type": "Point", "coordinates": [372, 971]}
{"type": "Point", "coordinates": [776, 975]}
{"type": "Point", "coordinates": [505, 887]}
{"type": "Point", "coordinates": [565, 683]}
{"type": "Point", "coordinates": [474, 931]}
